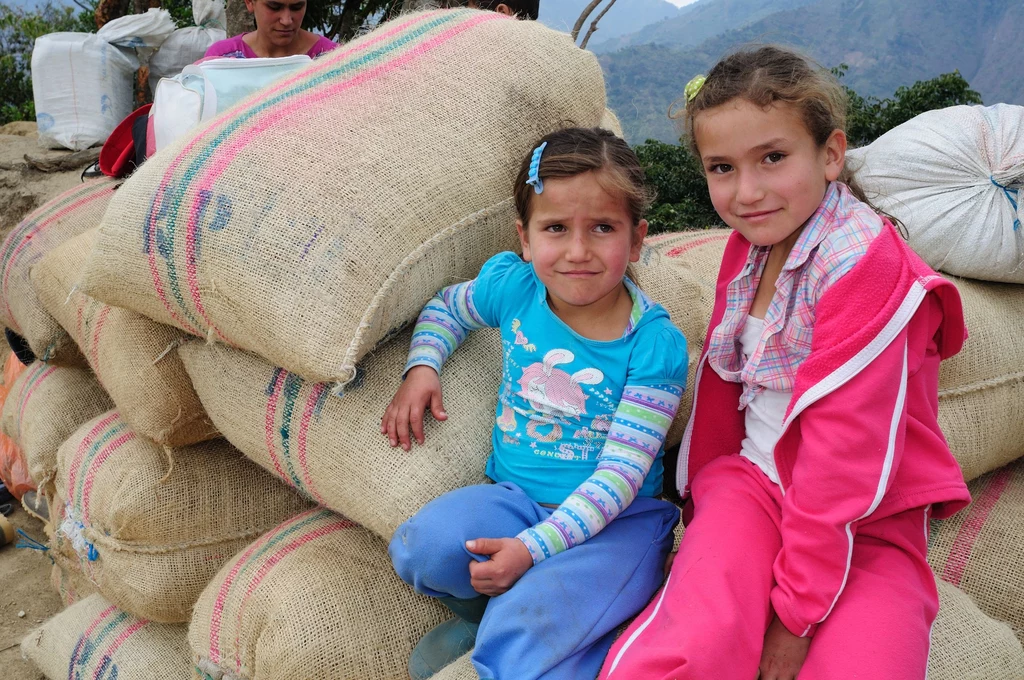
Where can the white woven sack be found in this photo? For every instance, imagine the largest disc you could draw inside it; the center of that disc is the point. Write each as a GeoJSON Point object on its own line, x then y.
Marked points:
{"type": "Point", "coordinates": [184, 47]}
{"type": "Point", "coordinates": [82, 88]}
{"type": "Point", "coordinates": [146, 31]}
{"type": "Point", "coordinates": [209, 14]}
{"type": "Point", "coordinates": [187, 45]}
{"type": "Point", "coordinates": [952, 176]}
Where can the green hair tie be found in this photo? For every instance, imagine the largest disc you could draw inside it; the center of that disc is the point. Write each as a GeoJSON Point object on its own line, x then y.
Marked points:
{"type": "Point", "coordinates": [693, 87]}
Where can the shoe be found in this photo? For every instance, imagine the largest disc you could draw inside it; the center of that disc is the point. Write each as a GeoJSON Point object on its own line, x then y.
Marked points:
{"type": "Point", "coordinates": [5, 494]}
{"type": "Point", "coordinates": [447, 641]}
{"type": "Point", "coordinates": [92, 171]}
{"type": "Point", "coordinates": [35, 505]}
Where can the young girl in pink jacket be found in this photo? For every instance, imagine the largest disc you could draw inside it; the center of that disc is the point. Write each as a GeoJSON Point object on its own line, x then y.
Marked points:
{"type": "Point", "coordinates": [813, 459]}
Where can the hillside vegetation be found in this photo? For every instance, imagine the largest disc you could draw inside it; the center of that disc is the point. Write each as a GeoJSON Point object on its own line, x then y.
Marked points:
{"type": "Point", "coordinates": [885, 43]}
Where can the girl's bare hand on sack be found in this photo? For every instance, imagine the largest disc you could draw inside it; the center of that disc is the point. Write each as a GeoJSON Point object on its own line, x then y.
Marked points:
{"type": "Point", "coordinates": [783, 653]}
{"type": "Point", "coordinates": [510, 559]}
{"type": "Point", "coordinates": [420, 391]}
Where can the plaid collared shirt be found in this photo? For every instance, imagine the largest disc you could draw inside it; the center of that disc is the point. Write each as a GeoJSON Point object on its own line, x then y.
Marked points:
{"type": "Point", "coordinates": [833, 241]}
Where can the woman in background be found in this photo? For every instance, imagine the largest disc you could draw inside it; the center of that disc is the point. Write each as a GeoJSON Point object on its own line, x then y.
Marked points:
{"type": "Point", "coordinates": [278, 33]}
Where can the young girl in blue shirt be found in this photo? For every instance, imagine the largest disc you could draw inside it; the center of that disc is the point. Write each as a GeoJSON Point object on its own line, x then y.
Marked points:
{"type": "Point", "coordinates": [544, 565]}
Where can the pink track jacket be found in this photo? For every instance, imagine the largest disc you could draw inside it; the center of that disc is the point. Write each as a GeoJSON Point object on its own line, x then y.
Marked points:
{"type": "Point", "coordinates": [861, 439]}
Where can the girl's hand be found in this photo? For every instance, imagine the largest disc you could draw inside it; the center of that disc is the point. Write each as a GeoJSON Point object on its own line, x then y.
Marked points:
{"type": "Point", "coordinates": [510, 559]}
{"type": "Point", "coordinates": [783, 652]}
{"type": "Point", "coordinates": [669, 561]}
{"type": "Point", "coordinates": [420, 390]}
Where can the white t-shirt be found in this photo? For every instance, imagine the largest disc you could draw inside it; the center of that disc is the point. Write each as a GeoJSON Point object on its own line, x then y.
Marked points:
{"type": "Point", "coordinates": [765, 412]}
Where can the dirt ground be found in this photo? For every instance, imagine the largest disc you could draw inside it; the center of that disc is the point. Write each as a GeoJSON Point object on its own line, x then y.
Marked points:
{"type": "Point", "coordinates": [22, 187]}
{"type": "Point", "coordinates": [25, 574]}
{"type": "Point", "coordinates": [25, 579]}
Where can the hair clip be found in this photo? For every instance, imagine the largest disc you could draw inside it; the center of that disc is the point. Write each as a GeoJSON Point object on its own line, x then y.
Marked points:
{"type": "Point", "coordinates": [693, 87]}
{"type": "Point", "coordinates": [534, 178]}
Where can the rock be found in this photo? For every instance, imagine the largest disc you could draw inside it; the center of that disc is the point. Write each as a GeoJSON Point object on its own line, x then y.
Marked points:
{"type": "Point", "coordinates": [53, 162]}
{"type": "Point", "coordinates": [22, 187]}
{"type": "Point", "coordinates": [20, 128]}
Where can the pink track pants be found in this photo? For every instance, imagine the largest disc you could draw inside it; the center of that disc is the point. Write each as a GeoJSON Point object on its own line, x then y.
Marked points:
{"type": "Point", "coordinates": [709, 619]}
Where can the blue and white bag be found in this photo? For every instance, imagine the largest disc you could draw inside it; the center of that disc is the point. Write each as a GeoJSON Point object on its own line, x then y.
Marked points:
{"type": "Point", "coordinates": [203, 90]}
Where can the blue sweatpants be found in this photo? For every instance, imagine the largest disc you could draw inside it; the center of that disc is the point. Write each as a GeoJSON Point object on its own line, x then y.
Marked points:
{"type": "Point", "coordinates": [560, 618]}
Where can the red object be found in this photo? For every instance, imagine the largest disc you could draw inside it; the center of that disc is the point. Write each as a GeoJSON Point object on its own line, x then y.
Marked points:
{"type": "Point", "coordinates": [119, 148]}
{"type": "Point", "coordinates": [150, 137]}
{"type": "Point", "coordinates": [13, 468]}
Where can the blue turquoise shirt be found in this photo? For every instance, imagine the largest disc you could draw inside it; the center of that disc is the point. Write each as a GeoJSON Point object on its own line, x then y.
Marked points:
{"type": "Point", "coordinates": [559, 390]}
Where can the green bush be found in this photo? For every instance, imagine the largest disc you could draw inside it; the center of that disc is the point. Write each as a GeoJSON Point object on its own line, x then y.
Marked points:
{"type": "Point", "coordinates": [682, 200]}
{"type": "Point", "coordinates": [868, 118]}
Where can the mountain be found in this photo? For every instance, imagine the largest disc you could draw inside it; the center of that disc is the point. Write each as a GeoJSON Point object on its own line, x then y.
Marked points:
{"type": "Point", "coordinates": [700, 21]}
{"type": "Point", "coordinates": [885, 43]}
{"type": "Point", "coordinates": [625, 17]}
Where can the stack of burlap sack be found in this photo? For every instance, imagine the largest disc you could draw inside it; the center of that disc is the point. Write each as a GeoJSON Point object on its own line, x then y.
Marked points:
{"type": "Point", "coordinates": [252, 281]}
{"type": "Point", "coordinates": [304, 225]}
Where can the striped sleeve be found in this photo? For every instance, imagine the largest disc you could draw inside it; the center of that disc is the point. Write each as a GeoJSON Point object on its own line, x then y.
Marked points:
{"type": "Point", "coordinates": [636, 436]}
{"type": "Point", "coordinates": [443, 325]}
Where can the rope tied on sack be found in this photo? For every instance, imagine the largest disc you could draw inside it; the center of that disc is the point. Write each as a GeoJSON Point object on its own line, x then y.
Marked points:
{"type": "Point", "coordinates": [30, 543]}
{"type": "Point", "coordinates": [1011, 196]}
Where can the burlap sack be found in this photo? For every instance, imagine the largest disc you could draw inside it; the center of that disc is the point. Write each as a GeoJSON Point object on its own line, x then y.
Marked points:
{"type": "Point", "coordinates": [66, 576]}
{"type": "Point", "coordinates": [679, 271]}
{"type": "Point", "coordinates": [316, 598]}
{"type": "Point", "coordinates": [460, 669]}
{"type": "Point", "coordinates": [94, 639]}
{"type": "Point", "coordinates": [392, 180]}
{"type": "Point", "coordinates": [609, 121]}
{"type": "Point", "coordinates": [981, 389]}
{"type": "Point", "coordinates": [44, 407]}
{"type": "Point", "coordinates": [152, 526]}
{"type": "Point", "coordinates": [67, 579]}
{"type": "Point", "coordinates": [130, 353]}
{"type": "Point", "coordinates": [67, 215]}
{"type": "Point", "coordinates": [966, 645]}
{"type": "Point", "coordinates": [331, 449]}
{"type": "Point", "coordinates": [981, 550]}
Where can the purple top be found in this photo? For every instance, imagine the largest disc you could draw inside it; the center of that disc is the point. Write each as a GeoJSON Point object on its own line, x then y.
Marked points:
{"type": "Point", "coordinates": [237, 47]}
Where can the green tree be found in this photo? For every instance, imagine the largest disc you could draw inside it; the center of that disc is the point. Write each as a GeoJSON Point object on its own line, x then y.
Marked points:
{"type": "Point", "coordinates": [868, 118]}
{"type": "Point", "coordinates": [682, 201]}
{"type": "Point", "coordinates": [181, 12]}
{"type": "Point", "coordinates": [342, 19]}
